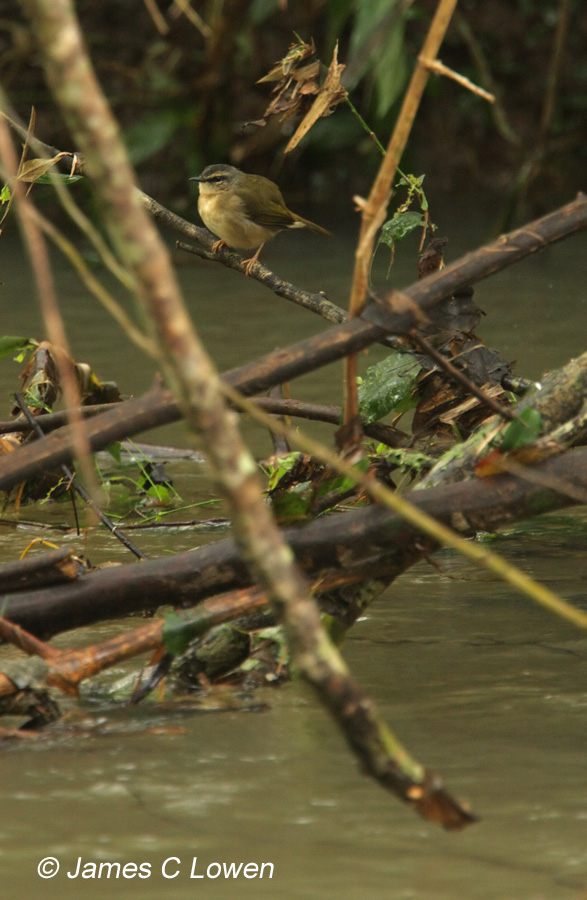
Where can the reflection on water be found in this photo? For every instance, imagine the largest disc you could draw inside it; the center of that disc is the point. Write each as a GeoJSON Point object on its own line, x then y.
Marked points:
{"type": "Point", "coordinates": [484, 688]}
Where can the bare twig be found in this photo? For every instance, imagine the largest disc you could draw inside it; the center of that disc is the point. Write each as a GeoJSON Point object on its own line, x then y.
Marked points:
{"type": "Point", "coordinates": [485, 76]}
{"type": "Point", "coordinates": [318, 412]}
{"type": "Point", "coordinates": [157, 17]}
{"type": "Point", "coordinates": [373, 214]}
{"type": "Point", "coordinates": [490, 402]}
{"type": "Point", "coordinates": [438, 68]}
{"type": "Point", "coordinates": [198, 389]}
{"type": "Point", "coordinates": [554, 67]}
{"type": "Point", "coordinates": [158, 406]}
{"type": "Point", "coordinates": [79, 489]}
{"type": "Point", "coordinates": [184, 7]}
{"type": "Point", "coordinates": [49, 305]}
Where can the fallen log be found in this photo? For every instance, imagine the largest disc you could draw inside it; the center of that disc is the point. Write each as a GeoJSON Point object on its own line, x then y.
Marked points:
{"type": "Point", "coordinates": [158, 406]}
{"type": "Point", "coordinates": [339, 548]}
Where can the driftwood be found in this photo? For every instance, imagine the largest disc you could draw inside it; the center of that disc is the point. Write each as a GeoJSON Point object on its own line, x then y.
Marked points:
{"type": "Point", "coordinates": [55, 567]}
{"type": "Point", "coordinates": [158, 406]}
{"type": "Point", "coordinates": [200, 392]}
{"type": "Point", "coordinates": [346, 549]}
{"type": "Point", "coordinates": [343, 547]}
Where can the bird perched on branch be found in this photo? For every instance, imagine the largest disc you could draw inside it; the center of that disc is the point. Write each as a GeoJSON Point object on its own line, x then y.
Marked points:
{"type": "Point", "coordinates": [244, 211]}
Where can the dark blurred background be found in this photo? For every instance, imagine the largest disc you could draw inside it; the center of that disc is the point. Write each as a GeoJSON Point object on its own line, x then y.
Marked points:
{"type": "Point", "coordinates": [182, 80]}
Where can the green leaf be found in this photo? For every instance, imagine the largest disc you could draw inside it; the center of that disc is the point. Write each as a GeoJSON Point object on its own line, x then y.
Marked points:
{"type": "Point", "coordinates": [260, 10]}
{"type": "Point", "coordinates": [390, 70]}
{"type": "Point", "coordinates": [283, 465]}
{"type": "Point", "coordinates": [377, 48]}
{"type": "Point", "coordinates": [290, 506]}
{"type": "Point", "coordinates": [10, 345]}
{"type": "Point", "coordinates": [388, 385]}
{"type": "Point", "coordinates": [58, 176]}
{"type": "Point", "coordinates": [523, 430]}
{"type": "Point", "coordinates": [335, 629]}
{"type": "Point", "coordinates": [341, 483]}
{"type": "Point", "coordinates": [115, 450]}
{"type": "Point", "coordinates": [276, 635]}
{"type": "Point", "coordinates": [407, 459]}
{"type": "Point", "coordinates": [414, 185]}
{"type": "Point", "coordinates": [179, 630]}
{"type": "Point", "coordinates": [399, 226]}
{"type": "Point", "coordinates": [160, 493]}
{"type": "Point", "coordinates": [5, 194]}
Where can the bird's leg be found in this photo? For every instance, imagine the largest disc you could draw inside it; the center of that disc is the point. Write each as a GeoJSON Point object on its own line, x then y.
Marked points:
{"type": "Point", "coordinates": [249, 263]}
{"type": "Point", "coordinates": [218, 245]}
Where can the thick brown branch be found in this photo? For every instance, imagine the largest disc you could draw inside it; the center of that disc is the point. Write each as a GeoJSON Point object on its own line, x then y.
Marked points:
{"type": "Point", "coordinates": [54, 567]}
{"type": "Point", "coordinates": [159, 407]}
{"type": "Point", "coordinates": [337, 544]}
{"type": "Point", "coordinates": [318, 412]}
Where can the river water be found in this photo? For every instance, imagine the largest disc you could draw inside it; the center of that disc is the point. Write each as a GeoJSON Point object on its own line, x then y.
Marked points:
{"type": "Point", "coordinates": [485, 689]}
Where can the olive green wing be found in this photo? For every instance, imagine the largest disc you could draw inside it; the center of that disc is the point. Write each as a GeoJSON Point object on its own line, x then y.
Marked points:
{"type": "Point", "coordinates": [264, 203]}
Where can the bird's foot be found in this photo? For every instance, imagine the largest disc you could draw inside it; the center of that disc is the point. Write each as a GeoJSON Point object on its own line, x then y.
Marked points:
{"type": "Point", "coordinates": [218, 245]}
{"type": "Point", "coordinates": [249, 263]}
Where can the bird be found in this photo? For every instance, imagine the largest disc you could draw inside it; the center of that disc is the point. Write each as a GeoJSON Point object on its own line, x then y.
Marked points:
{"type": "Point", "coordinates": [244, 211]}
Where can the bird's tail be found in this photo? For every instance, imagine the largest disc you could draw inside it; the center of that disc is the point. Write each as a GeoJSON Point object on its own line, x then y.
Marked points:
{"type": "Point", "coordinates": [300, 222]}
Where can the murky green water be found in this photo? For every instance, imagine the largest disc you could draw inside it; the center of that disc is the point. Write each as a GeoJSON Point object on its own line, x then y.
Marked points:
{"type": "Point", "coordinates": [488, 691]}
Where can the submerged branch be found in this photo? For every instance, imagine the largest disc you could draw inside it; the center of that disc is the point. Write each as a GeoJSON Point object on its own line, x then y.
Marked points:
{"type": "Point", "coordinates": [66, 669]}
{"type": "Point", "coordinates": [336, 545]}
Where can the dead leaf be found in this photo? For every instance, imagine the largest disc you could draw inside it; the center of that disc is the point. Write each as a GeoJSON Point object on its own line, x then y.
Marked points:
{"type": "Point", "coordinates": [32, 169]}
{"type": "Point", "coordinates": [296, 54]}
{"type": "Point", "coordinates": [294, 83]}
{"type": "Point", "coordinates": [330, 95]}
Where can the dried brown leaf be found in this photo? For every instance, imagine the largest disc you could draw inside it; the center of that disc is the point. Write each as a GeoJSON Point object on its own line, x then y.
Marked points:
{"type": "Point", "coordinates": [329, 95]}
{"type": "Point", "coordinates": [296, 54]}
{"type": "Point", "coordinates": [32, 169]}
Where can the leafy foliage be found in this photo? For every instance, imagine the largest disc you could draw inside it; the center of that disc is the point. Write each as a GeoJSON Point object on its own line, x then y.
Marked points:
{"type": "Point", "coordinates": [522, 431]}
{"type": "Point", "coordinates": [377, 47]}
{"type": "Point", "coordinates": [14, 347]}
{"type": "Point", "coordinates": [179, 630]}
{"type": "Point", "coordinates": [42, 171]}
{"type": "Point", "coordinates": [399, 226]}
{"type": "Point", "coordinates": [388, 386]}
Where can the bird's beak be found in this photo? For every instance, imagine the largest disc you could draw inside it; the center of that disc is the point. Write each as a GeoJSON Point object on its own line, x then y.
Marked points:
{"type": "Point", "coordinates": [196, 178]}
